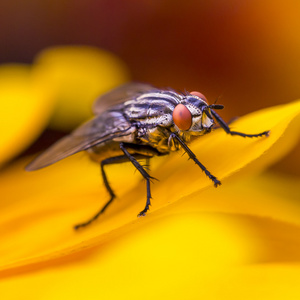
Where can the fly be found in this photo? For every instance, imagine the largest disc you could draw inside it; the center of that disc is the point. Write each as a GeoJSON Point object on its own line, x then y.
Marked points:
{"type": "Point", "coordinates": [138, 121]}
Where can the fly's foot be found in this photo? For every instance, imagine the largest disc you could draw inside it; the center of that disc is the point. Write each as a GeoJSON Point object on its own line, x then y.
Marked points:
{"type": "Point", "coordinates": [212, 178]}
{"type": "Point", "coordinates": [143, 212]}
{"type": "Point", "coordinates": [216, 182]}
{"type": "Point", "coordinates": [76, 227]}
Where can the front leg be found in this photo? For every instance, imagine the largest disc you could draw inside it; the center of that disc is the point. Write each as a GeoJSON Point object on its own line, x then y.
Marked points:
{"type": "Point", "coordinates": [194, 158]}
{"type": "Point", "coordinates": [228, 130]}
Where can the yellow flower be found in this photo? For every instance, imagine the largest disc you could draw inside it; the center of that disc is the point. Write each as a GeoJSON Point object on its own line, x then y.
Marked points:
{"type": "Point", "coordinates": [76, 76]}
{"type": "Point", "coordinates": [59, 88]}
{"type": "Point", "coordinates": [25, 109]}
{"type": "Point", "coordinates": [240, 240]}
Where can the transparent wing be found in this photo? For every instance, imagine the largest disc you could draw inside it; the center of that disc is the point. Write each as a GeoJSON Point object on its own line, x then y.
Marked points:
{"type": "Point", "coordinates": [96, 131]}
{"type": "Point", "coordinates": [120, 95]}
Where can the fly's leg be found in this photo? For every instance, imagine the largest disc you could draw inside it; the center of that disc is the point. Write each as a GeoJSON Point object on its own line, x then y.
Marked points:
{"type": "Point", "coordinates": [140, 168]}
{"type": "Point", "coordinates": [227, 129]}
{"type": "Point", "coordinates": [116, 160]}
{"type": "Point", "coordinates": [194, 158]}
{"type": "Point", "coordinates": [108, 161]}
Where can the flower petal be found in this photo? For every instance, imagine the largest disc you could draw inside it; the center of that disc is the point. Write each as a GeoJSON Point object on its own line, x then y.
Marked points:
{"type": "Point", "coordinates": [223, 155]}
{"type": "Point", "coordinates": [77, 75]}
{"type": "Point", "coordinates": [26, 107]}
{"type": "Point", "coordinates": [183, 254]}
{"type": "Point", "coordinates": [38, 226]}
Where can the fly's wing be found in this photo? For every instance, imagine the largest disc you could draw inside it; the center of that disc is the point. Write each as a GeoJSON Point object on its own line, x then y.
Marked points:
{"type": "Point", "coordinates": [120, 95]}
{"type": "Point", "coordinates": [102, 128]}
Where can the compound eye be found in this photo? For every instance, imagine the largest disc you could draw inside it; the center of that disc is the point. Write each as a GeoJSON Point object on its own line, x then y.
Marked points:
{"type": "Point", "coordinates": [198, 94]}
{"type": "Point", "coordinates": [182, 117]}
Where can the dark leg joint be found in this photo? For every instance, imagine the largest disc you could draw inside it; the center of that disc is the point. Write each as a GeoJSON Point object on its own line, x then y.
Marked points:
{"type": "Point", "coordinates": [197, 162]}
{"type": "Point", "coordinates": [148, 178]}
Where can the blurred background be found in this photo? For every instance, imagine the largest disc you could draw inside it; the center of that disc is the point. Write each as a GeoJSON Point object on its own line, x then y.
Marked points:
{"type": "Point", "coordinates": [244, 53]}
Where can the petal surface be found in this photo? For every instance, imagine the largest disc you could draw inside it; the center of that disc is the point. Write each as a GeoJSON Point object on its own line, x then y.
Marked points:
{"type": "Point", "coordinates": [38, 226]}
{"type": "Point", "coordinates": [196, 241]}
{"type": "Point", "coordinates": [26, 107]}
{"type": "Point", "coordinates": [77, 75]}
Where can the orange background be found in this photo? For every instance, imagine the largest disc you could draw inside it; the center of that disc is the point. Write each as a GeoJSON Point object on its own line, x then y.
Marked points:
{"type": "Point", "coordinates": [245, 52]}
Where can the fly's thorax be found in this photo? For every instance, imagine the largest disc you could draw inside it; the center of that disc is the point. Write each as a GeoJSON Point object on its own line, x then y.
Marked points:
{"type": "Point", "coordinates": [152, 109]}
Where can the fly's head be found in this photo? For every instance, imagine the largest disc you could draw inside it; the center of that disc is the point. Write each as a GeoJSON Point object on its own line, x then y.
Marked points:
{"type": "Point", "coordinates": [193, 114]}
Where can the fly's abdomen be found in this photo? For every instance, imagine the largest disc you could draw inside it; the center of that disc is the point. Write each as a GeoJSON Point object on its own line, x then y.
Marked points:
{"type": "Point", "coordinates": [105, 150]}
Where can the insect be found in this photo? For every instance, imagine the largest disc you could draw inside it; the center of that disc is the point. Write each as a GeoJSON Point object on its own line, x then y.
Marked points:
{"type": "Point", "coordinates": [138, 121]}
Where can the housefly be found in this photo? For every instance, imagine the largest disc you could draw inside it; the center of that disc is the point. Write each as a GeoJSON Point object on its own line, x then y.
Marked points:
{"type": "Point", "coordinates": [138, 121]}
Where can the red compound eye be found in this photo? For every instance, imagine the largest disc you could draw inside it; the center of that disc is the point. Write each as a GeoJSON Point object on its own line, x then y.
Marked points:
{"type": "Point", "coordinates": [198, 94]}
{"type": "Point", "coordinates": [182, 117]}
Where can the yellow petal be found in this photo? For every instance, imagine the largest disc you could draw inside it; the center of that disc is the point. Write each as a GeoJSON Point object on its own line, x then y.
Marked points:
{"type": "Point", "coordinates": [183, 254]}
{"type": "Point", "coordinates": [77, 75]}
{"type": "Point", "coordinates": [272, 196]}
{"type": "Point", "coordinates": [224, 155]}
{"type": "Point", "coordinates": [38, 226]}
{"type": "Point", "coordinates": [25, 109]}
